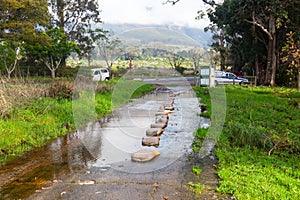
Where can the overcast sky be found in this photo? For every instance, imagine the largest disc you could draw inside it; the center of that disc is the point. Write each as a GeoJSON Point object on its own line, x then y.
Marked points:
{"type": "Point", "coordinates": [152, 12]}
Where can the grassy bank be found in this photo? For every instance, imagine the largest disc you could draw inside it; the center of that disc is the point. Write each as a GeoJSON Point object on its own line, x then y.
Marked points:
{"type": "Point", "coordinates": [259, 148]}
{"type": "Point", "coordinates": [31, 119]}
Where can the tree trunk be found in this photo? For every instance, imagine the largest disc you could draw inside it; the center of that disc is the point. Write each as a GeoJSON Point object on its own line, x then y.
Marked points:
{"type": "Point", "coordinates": [53, 73]}
{"type": "Point", "coordinates": [271, 65]}
{"type": "Point", "coordinates": [298, 80]}
{"type": "Point", "coordinates": [274, 57]}
{"type": "Point", "coordinates": [8, 75]}
{"type": "Point", "coordinates": [60, 13]}
{"type": "Point", "coordinates": [257, 70]}
{"type": "Point", "coordinates": [222, 52]}
{"type": "Point", "coordinates": [256, 63]}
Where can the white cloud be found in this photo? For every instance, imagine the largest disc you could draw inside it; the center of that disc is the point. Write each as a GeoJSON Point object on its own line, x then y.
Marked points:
{"type": "Point", "coordinates": [152, 12]}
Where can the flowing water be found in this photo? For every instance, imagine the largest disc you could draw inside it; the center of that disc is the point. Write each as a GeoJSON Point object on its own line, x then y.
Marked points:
{"type": "Point", "coordinates": [107, 145]}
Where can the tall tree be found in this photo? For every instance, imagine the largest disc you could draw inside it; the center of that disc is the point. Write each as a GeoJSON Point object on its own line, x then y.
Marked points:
{"type": "Point", "coordinates": [256, 32]}
{"type": "Point", "coordinates": [219, 43]}
{"type": "Point", "coordinates": [291, 56]}
{"type": "Point", "coordinates": [109, 49]}
{"type": "Point", "coordinates": [174, 60]}
{"type": "Point", "coordinates": [10, 53]}
{"type": "Point", "coordinates": [21, 20]}
{"type": "Point", "coordinates": [89, 43]}
{"type": "Point", "coordinates": [262, 19]}
{"type": "Point", "coordinates": [78, 19]}
{"type": "Point", "coordinates": [54, 50]}
{"type": "Point", "coordinates": [195, 55]}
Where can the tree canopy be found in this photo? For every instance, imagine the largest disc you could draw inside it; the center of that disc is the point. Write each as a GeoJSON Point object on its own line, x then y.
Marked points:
{"type": "Point", "coordinates": [77, 19]}
{"type": "Point", "coordinates": [255, 32]}
{"type": "Point", "coordinates": [22, 20]}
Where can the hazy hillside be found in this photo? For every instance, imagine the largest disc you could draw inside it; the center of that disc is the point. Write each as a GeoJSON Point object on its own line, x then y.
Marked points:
{"type": "Point", "coordinates": [159, 35]}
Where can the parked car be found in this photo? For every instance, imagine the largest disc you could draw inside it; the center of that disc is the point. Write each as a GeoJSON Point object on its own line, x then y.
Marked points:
{"type": "Point", "coordinates": [222, 77]}
{"type": "Point", "coordinates": [100, 74]}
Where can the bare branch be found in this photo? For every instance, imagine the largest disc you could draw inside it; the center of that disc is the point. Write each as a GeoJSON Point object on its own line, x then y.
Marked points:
{"type": "Point", "coordinates": [172, 2]}
{"type": "Point", "coordinates": [262, 28]}
{"type": "Point", "coordinates": [211, 3]}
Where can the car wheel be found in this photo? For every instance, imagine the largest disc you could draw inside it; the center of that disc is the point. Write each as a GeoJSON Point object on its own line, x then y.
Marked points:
{"type": "Point", "coordinates": [241, 83]}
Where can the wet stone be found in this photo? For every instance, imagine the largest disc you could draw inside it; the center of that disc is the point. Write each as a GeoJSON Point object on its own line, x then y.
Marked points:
{"type": "Point", "coordinates": [158, 125]}
{"type": "Point", "coordinates": [150, 141]}
{"type": "Point", "coordinates": [169, 108]}
{"type": "Point", "coordinates": [84, 182]}
{"type": "Point", "coordinates": [144, 155]}
{"type": "Point", "coordinates": [167, 112]}
{"type": "Point", "coordinates": [174, 95]}
{"type": "Point", "coordinates": [160, 113]}
{"type": "Point", "coordinates": [154, 131]}
{"type": "Point", "coordinates": [168, 104]}
{"type": "Point", "coordinates": [162, 120]}
{"type": "Point", "coordinates": [170, 101]}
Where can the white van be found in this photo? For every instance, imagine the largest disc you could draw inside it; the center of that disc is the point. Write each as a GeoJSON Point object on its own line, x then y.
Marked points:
{"type": "Point", "coordinates": [100, 74]}
{"type": "Point", "coordinates": [228, 78]}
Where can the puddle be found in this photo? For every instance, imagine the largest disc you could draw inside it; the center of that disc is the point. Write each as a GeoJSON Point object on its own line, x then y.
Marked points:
{"type": "Point", "coordinates": [107, 143]}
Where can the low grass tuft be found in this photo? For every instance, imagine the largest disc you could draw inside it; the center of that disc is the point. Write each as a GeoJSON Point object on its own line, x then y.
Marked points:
{"type": "Point", "coordinates": [259, 149]}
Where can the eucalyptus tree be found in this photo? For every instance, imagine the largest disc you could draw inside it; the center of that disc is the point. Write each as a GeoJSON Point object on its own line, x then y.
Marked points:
{"type": "Point", "coordinates": [255, 31]}
{"type": "Point", "coordinates": [195, 56]}
{"type": "Point", "coordinates": [109, 49]}
{"type": "Point", "coordinates": [78, 18]}
{"type": "Point", "coordinates": [21, 21]}
{"type": "Point", "coordinates": [250, 24]}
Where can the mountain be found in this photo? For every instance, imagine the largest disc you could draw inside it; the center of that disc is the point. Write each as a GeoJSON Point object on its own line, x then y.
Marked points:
{"type": "Point", "coordinates": [159, 35]}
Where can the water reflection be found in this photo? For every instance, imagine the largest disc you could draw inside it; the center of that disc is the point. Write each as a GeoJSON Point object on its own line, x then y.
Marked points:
{"type": "Point", "coordinates": [107, 143]}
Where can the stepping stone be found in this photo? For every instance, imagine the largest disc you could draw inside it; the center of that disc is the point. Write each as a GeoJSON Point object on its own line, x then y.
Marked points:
{"type": "Point", "coordinates": [159, 125]}
{"type": "Point", "coordinates": [167, 112]}
{"type": "Point", "coordinates": [161, 109]}
{"type": "Point", "coordinates": [150, 141]}
{"type": "Point", "coordinates": [162, 120]}
{"type": "Point", "coordinates": [154, 132]}
{"type": "Point", "coordinates": [84, 182]}
{"type": "Point", "coordinates": [174, 95]}
{"type": "Point", "coordinates": [144, 155]}
{"type": "Point", "coordinates": [167, 105]}
{"type": "Point", "coordinates": [160, 113]}
{"type": "Point", "coordinates": [162, 117]}
{"type": "Point", "coordinates": [169, 108]}
{"type": "Point", "coordinates": [171, 101]}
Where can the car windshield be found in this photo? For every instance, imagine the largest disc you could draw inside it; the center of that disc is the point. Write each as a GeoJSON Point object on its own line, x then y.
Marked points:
{"type": "Point", "coordinates": [232, 75]}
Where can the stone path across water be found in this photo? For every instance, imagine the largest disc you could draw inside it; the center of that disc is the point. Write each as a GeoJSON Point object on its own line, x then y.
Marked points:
{"type": "Point", "coordinates": [95, 163]}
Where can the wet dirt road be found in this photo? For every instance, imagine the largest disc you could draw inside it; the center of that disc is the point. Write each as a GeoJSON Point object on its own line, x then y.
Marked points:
{"type": "Point", "coordinates": [95, 163]}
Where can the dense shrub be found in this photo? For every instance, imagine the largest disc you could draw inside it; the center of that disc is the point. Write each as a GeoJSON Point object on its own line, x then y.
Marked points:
{"type": "Point", "coordinates": [60, 90]}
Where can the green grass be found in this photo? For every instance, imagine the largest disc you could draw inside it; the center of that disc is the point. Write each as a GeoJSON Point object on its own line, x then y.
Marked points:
{"type": "Point", "coordinates": [34, 123]}
{"type": "Point", "coordinates": [259, 148]}
{"type": "Point", "coordinates": [196, 170]}
{"type": "Point", "coordinates": [196, 187]}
